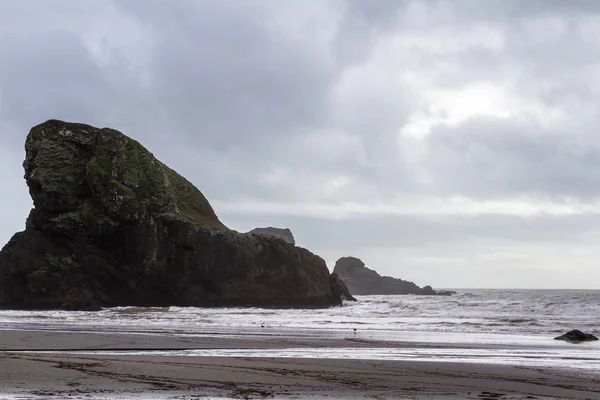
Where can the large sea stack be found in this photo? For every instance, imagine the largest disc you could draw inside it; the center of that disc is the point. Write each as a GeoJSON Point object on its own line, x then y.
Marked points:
{"type": "Point", "coordinates": [112, 226]}
{"type": "Point", "coordinates": [361, 280]}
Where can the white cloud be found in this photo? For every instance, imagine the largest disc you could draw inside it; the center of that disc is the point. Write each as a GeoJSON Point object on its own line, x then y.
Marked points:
{"type": "Point", "coordinates": [450, 206]}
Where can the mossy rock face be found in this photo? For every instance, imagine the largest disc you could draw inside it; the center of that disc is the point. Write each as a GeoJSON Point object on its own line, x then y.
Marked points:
{"type": "Point", "coordinates": [112, 225]}
{"type": "Point", "coordinates": [69, 164]}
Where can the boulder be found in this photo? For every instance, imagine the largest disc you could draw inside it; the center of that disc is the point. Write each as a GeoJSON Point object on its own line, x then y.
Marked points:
{"type": "Point", "coordinates": [428, 291]}
{"type": "Point", "coordinates": [576, 336]}
{"type": "Point", "coordinates": [283, 234]}
{"type": "Point", "coordinates": [364, 281]}
{"type": "Point", "coordinates": [114, 226]}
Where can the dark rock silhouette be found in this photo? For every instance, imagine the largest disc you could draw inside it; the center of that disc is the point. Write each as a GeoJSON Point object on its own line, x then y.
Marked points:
{"type": "Point", "coordinates": [361, 280]}
{"type": "Point", "coordinates": [576, 336]}
{"type": "Point", "coordinates": [112, 225]}
{"type": "Point", "coordinates": [283, 234]}
{"type": "Point", "coordinates": [339, 288]}
{"type": "Point", "coordinates": [428, 291]}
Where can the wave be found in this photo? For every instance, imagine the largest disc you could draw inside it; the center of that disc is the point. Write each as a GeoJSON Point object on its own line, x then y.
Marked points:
{"type": "Point", "coordinates": [468, 323]}
{"type": "Point", "coordinates": [138, 310]}
{"type": "Point", "coordinates": [518, 320]}
{"type": "Point", "coordinates": [506, 312]}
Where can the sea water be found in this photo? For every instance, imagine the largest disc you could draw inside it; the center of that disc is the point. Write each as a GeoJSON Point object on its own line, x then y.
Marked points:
{"type": "Point", "coordinates": [490, 326]}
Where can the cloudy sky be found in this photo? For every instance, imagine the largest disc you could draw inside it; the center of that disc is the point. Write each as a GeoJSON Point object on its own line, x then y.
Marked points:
{"type": "Point", "coordinates": [452, 143]}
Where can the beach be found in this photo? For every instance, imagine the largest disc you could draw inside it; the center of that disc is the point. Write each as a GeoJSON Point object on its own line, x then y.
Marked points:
{"type": "Point", "coordinates": [474, 345]}
{"type": "Point", "coordinates": [51, 364]}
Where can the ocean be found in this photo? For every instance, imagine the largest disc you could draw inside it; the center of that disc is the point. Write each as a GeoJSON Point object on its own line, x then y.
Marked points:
{"type": "Point", "coordinates": [513, 327]}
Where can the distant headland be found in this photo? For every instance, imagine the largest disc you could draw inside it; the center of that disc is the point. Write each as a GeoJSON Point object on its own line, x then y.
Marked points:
{"type": "Point", "coordinates": [364, 281]}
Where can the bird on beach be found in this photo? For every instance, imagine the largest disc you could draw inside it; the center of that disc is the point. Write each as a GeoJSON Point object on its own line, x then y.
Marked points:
{"type": "Point", "coordinates": [354, 330]}
{"type": "Point", "coordinates": [262, 325]}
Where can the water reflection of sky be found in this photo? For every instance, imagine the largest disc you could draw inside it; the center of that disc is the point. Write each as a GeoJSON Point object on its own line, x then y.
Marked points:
{"type": "Point", "coordinates": [561, 358]}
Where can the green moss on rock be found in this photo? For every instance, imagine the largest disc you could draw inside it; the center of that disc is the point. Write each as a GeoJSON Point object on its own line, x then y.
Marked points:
{"type": "Point", "coordinates": [69, 162]}
{"type": "Point", "coordinates": [99, 166]}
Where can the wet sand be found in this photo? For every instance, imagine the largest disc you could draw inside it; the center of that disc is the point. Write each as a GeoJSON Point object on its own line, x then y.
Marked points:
{"type": "Point", "coordinates": [26, 371]}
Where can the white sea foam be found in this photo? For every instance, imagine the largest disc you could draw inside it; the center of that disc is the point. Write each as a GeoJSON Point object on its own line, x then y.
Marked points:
{"type": "Point", "coordinates": [504, 312]}
{"type": "Point", "coordinates": [486, 318]}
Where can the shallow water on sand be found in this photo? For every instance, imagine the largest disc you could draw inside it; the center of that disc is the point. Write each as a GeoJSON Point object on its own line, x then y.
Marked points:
{"type": "Point", "coordinates": [512, 327]}
{"type": "Point", "coordinates": [554, 357]}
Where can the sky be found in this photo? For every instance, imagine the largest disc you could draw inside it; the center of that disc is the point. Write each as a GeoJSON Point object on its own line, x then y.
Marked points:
{"type": "Point", "coordinates": [450, 143]}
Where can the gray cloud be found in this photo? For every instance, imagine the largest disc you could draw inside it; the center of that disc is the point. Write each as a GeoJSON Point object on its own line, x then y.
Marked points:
{"type": "Point", "coordinates": [492, 158]}
{"type": "Point", "coordinates": [356, 121]}
{"type": "Point", "coordinates": [50, 76]}
{"type": "Point", "coordinates": [231, 76]}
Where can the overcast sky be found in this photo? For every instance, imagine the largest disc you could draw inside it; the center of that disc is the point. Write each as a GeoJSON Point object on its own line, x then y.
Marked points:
{"type": "Point", "coordinates": [451, 143]}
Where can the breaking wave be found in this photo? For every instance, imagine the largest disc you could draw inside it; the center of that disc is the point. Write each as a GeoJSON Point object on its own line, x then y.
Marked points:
{"type": "Point", "coordinates": [516, 312]}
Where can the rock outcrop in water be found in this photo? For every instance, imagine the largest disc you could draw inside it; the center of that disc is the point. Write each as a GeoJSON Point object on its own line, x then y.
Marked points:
{"type": "Point", "coordinates": [283, 234]}
{"type": "Point", "coordinates": [361, 280]}
{"type": "Point", "coordinates": [112, 225]}
{"type": "Point", "coordinates": [576, 336]}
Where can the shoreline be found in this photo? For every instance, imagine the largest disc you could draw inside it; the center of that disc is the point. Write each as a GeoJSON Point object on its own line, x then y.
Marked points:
{"type": "Point", "coordinates": [69, 376]}
{"type": "Point", "coordinates": [26, 372]}
{"type": "Point", "coordinates": [66, 338]}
